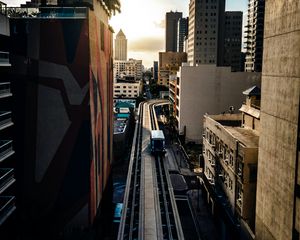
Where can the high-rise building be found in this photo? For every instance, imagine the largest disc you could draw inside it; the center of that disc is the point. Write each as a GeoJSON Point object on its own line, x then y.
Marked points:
{"type": "Point", "coordinates": [254, 35]}
{"type": "Point", "coordinates": [63, 105]}
{"type": "Point", "coordinates": [232, 40]}
{"type": "Point", "coordinates": [121, 46]}
{"type": "Point", "coordinates": [278, 179]}
{"type": "Point", "coordinates": [155, 71]}
{"type": "Point", "coordinates": [171, 30]}
{"type": "Point", "coordinates": [7, 138]}
{"type": "Point", "coordinates": [206, 32]}
{"type": "Point", "coordinates": [182, 33]}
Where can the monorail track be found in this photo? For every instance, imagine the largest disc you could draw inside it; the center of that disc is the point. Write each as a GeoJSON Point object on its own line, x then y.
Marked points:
{"type": "Point", "coordinates": [149, 209]}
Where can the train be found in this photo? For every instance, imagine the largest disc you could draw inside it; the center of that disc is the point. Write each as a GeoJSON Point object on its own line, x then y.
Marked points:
{"type": "Point", "coordinates": [157, 141]}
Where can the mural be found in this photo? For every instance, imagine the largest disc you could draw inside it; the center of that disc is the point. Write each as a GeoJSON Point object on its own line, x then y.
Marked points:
{"type": "Point", "coordinates": [62, 77]}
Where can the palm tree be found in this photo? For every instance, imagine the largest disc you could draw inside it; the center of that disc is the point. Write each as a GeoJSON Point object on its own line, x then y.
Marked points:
{"type": "Point", "coordinates": [113, 6]}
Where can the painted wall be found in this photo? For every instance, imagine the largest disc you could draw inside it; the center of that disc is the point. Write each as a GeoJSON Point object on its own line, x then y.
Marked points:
{"type": "Point", "coordinates": [62, 76]}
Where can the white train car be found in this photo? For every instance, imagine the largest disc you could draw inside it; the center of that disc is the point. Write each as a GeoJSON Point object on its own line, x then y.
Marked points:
{"type": "Point", "coordinates": [157, 142]}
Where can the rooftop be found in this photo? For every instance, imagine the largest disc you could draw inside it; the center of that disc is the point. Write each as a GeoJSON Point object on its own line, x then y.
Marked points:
{"type": "Point", "coordinates": [246, 136]}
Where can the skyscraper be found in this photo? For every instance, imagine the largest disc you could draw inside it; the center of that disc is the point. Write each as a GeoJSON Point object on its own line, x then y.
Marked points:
{"type": "Point", "coordinates": [254, 35]}
{"type": "Point", "coordinates": [206, 34]}
{"type": "Point", "coordinates": [278, 179]}
{"type": "Point", "coordinates": [121, 46]}
{"type": "Point", "coordinates": [232, 40]}
{"type": "Point", "coordinates": [182, 33]}
{"type": "Point", "coordinates": [171, 30]}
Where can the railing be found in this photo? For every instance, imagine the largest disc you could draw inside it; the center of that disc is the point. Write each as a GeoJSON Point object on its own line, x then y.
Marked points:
{"type": "Point", "coordinates": [5, 119]}
{"type": "Point", "coordinates": [4, 58]}
{"type": "Point", "coordinates": [6, 147]}
{"type": "Point", "coordinates": [7, 206]}
{"type": "Point", "coordinates": [5, 89]}
{"type": "Point", "coordinates": [47, 12]}
{"type": "Point", "coordinates": [6, 178]}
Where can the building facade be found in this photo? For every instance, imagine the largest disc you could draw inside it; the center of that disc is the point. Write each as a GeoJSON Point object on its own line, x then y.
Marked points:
{"type": "Point", "coordinates": [128, 69]}
{"type": "Point", "coordinates": [171, 30]}
{"type": "Point", "coordinates": [206, 32]}
{"type": "Point", "coordinates": [121, 46]}
{"type": "Point", "coordinates": [278, 179]}
{"type": "Point", "coordinates": [127, 90]}
{"type": "Point", "coordinates": [254, 35]}
{"type": "Point", "coordinates": [213, 90]}
{"type": "Point", "coordinates": [169, 63]}
{"type": "Point", "coordinates": [230, 151]}
{"type": "Point", "coordinates": [62, 74]}
{"type": "Point", "coordinates": [7, 138]}
{"type": "Point", "coordinates": [182, 33]}
{"type": "Point", "coordinates": [155, 71]}
{"type": "Point", "coordinates": [233, 40]}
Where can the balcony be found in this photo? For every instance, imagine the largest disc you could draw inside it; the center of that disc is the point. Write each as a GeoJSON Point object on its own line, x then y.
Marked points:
{"type": "Point", "coordinates": [6, 149]}
{"type": "Point", "coordinates": [4, 59]}
{"type": "Point", "coordinates": [6, 178]}
{"type": "Point", "coordinates": [7, 207]}
{"type": "Point", "coordinates": [5, 90]}
{"type": "Point", "coordinates": [5, 119]}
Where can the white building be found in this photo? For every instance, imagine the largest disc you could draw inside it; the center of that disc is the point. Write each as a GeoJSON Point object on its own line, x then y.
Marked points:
{"type": "Point", "coordinates": [131, 68]}
{"type": "Point", "coordinates": [121, 46]}
{"type": "Point", "coordinates": [127, 90]}
{"type": "Point", "coordinates": [207, 89]}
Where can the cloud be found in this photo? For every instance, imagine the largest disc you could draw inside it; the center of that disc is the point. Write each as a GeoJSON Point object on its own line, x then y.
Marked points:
{"type": "Point", "coordinates": [146, 44]}
{"type": "Point", "coordinates": [160, 24]}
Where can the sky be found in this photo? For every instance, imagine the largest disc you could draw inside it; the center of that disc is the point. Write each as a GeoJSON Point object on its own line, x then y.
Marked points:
{"type": "Point", "coordinates": [143, 22]}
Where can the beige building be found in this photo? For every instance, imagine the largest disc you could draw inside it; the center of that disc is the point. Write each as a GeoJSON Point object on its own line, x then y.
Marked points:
{"type": "Point", "coordinates": [131, 68]}
{"type": "Point", "coordinates": [127, 90]}
{"type": "Point", "coordinates": [278, 179]}
{"type": "Point", "coordinates": [230, 150]}
{"type": "Point", "coordinates": [169, 63]}
{"type": "Point", "coordinates": [121, 46]}
{"type": "Point", "coordinates": [207, 89]}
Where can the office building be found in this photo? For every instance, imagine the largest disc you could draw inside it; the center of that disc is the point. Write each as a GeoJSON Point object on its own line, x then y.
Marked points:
{"type": "Point", "coordinates": [171, 30]}
{"type": "Point", "coordinates": [127, 89]}
{"type": "Point", "coordinates": [213, 90]}
{"type": "Point", "coordinates": [131, 69]}
{"type": "Point", "coordinates": [230, 151]}
{"type": "Point", "coordinates": [254, 35]}
{"type": "Point", "coordinates": [155, 71]}
{"type": "Point", "coordinates": [169, 63]}
{"type": "Point", "coordinates": [278, 179]}
{"type": "Point", "coordinates": [121, 46]}
{"type": "Point", "coordinates": [7, 136]}
{"type": "Point", "coordinates": [206, 32]}
{"type": "Point", "coordinates": [63, 105]}
{"type": "Point", "coordinates": [182, 33]}
{"type": "Point", "coordinates": [233, 40]}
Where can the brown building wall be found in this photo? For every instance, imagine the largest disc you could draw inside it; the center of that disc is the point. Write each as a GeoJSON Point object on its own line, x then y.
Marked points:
{"type": "Point", "coordinates": [275, 206]}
